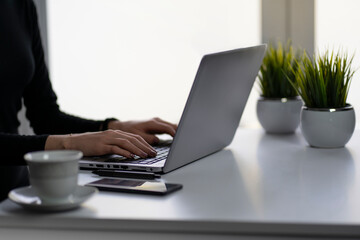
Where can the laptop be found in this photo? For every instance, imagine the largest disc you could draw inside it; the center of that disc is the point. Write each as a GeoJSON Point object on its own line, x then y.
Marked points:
{"type": "Point", "coordinates": [210, 118]}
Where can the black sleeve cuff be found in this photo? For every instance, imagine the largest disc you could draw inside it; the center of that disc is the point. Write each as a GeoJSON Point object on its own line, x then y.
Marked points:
{"type": "Point", "coordinates": [104, 125]}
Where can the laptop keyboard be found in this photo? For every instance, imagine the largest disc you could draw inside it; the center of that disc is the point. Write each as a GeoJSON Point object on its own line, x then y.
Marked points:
{"type": "Point", "coordinates": [162, 151]}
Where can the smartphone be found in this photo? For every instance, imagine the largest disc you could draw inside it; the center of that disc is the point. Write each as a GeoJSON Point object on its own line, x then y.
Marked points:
{"type": "Point", "coordinates": [135, 186]}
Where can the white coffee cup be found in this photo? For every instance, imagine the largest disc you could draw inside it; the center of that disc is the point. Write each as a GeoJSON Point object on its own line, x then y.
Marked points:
{"type": "Point", "coordinates": [54, 174]}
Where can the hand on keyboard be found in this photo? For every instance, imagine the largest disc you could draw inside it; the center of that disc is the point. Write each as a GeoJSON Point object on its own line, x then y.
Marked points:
{"type": "Point", "coordinates": [146, 129]}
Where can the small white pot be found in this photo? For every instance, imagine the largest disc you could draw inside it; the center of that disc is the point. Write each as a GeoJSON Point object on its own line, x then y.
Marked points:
{"type": "Point", "coordinates": [279, 115]}
{"type": "Point", "coordinates": [328, 128]}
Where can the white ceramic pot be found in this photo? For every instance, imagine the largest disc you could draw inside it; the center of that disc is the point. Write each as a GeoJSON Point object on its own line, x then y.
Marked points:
{"type": "Point", "coordinates": [328, 128]}
{"type": "Point", "coordinates": [279, 115]}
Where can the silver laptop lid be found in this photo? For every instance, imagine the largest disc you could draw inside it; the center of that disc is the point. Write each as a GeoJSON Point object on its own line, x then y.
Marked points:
{"type": "Point", "coordinates": [215, 104]}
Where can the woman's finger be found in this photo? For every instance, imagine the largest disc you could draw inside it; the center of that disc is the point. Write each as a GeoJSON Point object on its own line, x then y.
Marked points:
{"type": "Point", "coordinates": [137, 135]}
{"type": "Point", "coordinates": [165, 122]}
{"type": "Point", "coordinates": [156, 127]}
{"type": "Point", "coordinates": [139, 142]}
{"type": "Point", "coordinates": [113, 149]}
{"type": "Point", "coordinates": [150, 138]}
{"type": "Point", "coordinates": [129, 142]}
{"type": "Point", "coordinates": [129, 146]}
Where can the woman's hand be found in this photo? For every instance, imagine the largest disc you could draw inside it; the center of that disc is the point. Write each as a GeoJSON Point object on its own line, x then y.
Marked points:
{"type": "Point", "coordinates": [99, 143]}
{"type": "Point", "coordinates": [146, 129]}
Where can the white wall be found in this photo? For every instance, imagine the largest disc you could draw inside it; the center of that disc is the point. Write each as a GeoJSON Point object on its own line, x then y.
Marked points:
{"type": "Point", "coordinates": [135, 59]}
{"type": "Point", "coordinates": [337, 27]}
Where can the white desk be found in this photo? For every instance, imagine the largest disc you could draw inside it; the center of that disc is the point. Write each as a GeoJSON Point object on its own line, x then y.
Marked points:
{"type": "Point", "coordinates": [261, 187]}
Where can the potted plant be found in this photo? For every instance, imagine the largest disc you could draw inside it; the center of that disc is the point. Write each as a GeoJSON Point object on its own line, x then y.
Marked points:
{"type": "Point", "coordinates": [327, 120]}
{"type": "Point", "coordinates": [278, 108]}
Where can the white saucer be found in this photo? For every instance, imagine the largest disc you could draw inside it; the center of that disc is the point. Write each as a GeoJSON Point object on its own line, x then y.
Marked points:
{"type": "Point", "coordinates": [26, 198]}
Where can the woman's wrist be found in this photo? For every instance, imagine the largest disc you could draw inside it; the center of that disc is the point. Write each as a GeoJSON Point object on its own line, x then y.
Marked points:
{"type": "Point", "coordinates": [114, 124]}
{"type": "Point", "coordinates": [58, 142]}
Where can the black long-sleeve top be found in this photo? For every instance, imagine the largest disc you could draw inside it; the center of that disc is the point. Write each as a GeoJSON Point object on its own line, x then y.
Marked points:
{"type": "Point", "coordinates": [24, 75]}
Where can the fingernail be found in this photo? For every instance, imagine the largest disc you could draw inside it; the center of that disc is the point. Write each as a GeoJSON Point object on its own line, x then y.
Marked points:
{"type": "Point", "coordinates": [144, 155]}
{"type": "Point", "coordinates": [132, 156]}
{"type": "Point", "coordinates": [153, 154]}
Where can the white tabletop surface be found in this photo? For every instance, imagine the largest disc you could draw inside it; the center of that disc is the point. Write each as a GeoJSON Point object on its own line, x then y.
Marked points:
{"type": "Point", "coordinates": [261, 184]}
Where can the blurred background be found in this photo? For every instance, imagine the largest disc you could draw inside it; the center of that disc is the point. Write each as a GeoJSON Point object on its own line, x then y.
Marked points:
{"type": "Point", "coordinates": [136, 59]}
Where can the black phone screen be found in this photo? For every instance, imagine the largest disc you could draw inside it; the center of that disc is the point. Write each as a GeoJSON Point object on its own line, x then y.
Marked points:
{"type": "Point", "coordinates": [135, 186]}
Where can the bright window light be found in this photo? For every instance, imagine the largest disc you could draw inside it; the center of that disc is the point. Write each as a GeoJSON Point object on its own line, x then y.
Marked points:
{"type": "Point", "coordinates": [136, 59]}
